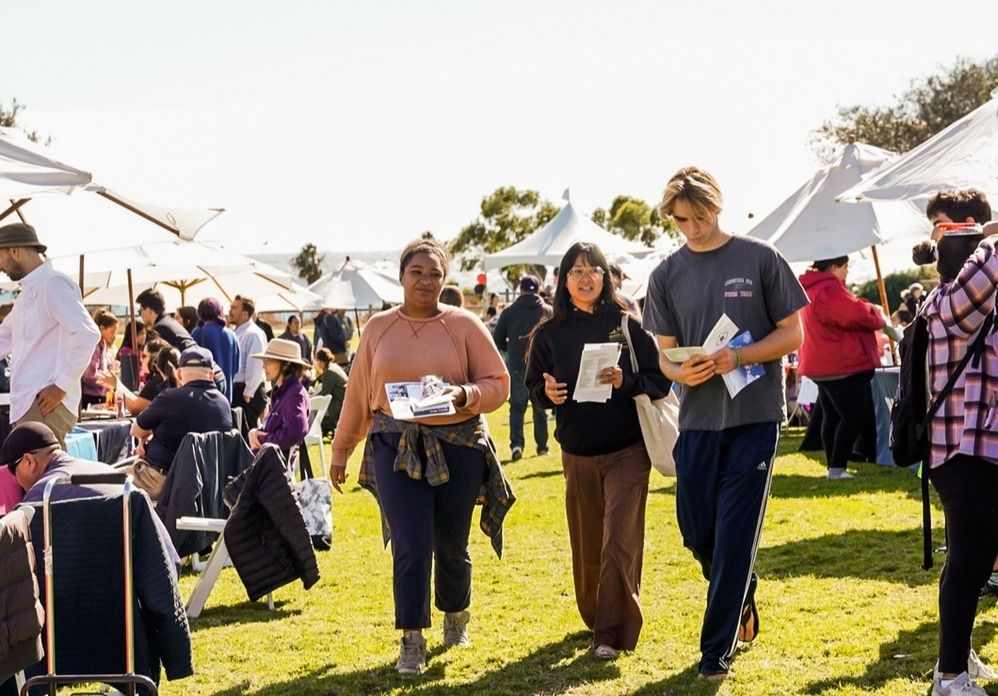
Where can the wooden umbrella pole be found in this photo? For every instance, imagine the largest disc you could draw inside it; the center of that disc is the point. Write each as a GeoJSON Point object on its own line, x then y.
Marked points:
{"type": "Point", "coordinates": [14, 208]}
{"type": "Point", "coordinates": [131, 314]}
{"type": "Point", "coordinates": [82, 291]}
{"type": "Point", "coordinates": [883, 298]}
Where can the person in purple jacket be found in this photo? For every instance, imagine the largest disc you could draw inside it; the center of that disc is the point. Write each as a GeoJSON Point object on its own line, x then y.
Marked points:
{"type": "Point", "coordinates": [287, 420]}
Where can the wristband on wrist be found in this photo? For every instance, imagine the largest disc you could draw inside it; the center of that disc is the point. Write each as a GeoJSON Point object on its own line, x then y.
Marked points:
{"type": "Point", "coordinates": [738, 357]}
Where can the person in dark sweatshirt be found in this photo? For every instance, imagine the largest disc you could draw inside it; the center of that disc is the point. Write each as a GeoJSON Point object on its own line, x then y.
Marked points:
{"type": "Point", "coordinates": [510, 335]}
{"type": "Point", "coordinates": [604, 458]}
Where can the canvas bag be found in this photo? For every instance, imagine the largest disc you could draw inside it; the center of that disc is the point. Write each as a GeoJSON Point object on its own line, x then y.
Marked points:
{"type": "Point", "coordinates": [659, 418]}
{"type": "Point", "coordinates": [315, 498]}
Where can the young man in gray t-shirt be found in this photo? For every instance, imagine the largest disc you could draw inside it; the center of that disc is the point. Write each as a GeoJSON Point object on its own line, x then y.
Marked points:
{"type": "Point", "coordinates": [726, 447]}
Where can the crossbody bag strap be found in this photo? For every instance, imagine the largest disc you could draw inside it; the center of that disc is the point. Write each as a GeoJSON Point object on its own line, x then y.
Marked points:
{"type": "Point", "coordinates": [976, 348]}
{"type": "Point", "coordinates": [630, 346]}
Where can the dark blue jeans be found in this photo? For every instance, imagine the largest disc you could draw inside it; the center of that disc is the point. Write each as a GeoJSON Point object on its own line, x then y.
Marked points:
{"type": "Point", "coordinates": [518, 398]}
{"type": "Point", "coordinates": [428, 522]}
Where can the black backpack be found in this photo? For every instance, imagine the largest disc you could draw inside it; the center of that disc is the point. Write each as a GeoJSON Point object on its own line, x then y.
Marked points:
{"type": "Point", "coordinates": [911, 414]}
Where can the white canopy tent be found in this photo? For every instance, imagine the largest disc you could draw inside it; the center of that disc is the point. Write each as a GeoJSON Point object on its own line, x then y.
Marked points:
{"type": "Point", "coordinates": [548, 245]}
{"type": "Point", "coordinates": [810, 224]}
{"type": "Point", "coordinates": [963, 155]}
{"type": "Point", "coordinates": [356, 286]}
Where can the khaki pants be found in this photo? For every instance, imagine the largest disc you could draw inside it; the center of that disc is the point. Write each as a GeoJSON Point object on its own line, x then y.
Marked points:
{"type": "Point", "coordinates": [61, 420]}
{"type": "Point", "coordinates": [146, 477]}
{"type": "Point", "coordinates": [605, 499]}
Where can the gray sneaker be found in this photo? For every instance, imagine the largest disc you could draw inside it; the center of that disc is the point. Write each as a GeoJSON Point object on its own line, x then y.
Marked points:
{"type": "Point", "coordinates": [976, 669]}
{"type": "Point", "coordinates": [456, 628]}
{"type": "Point", "coordinates": [412, 655]}
{"type": "Point", "coordinates": [961, 686]}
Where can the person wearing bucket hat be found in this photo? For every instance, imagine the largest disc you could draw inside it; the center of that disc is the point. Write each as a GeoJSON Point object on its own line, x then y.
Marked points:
{"type": "Point", "coordinates": [49, 335]}
{"type": "Point", "coordinates": [287, 420]}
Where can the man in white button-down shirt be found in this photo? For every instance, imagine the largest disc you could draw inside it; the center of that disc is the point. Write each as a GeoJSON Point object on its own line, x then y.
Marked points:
{"type": "Point", "coordinates": [49, 335]}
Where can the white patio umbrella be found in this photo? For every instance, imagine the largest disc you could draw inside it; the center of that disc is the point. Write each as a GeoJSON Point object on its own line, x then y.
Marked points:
{"type": "Point", "coordinates": [811, 224]}
{"type": "Point", "coordinates": [547, 245]}
{"type": "Point", "coordinates": [356, 286]}
{"type": "Point", "coordinates": [25, 170]}
{"type": "Point", "coordinates": [184, 271]}
{"type": "Point", "coordinates": [962, 155]}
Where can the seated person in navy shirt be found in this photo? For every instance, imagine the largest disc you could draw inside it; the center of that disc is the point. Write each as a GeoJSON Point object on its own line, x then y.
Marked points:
{"type": "Point", "coordinates": [196, 406]}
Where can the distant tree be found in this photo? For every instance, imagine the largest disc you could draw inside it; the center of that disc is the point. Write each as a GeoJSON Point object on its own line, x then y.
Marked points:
{"type": "Point", "coordinates": [427, 235]}
{"type": "Point", "coordinates": [308, 263]}
{"type": "Point", "coordinates": [601, 218]}
{"type": "Point", "coordinates": [927, 107]}
{"type": "Point", "coordinates": [894, 283]}
{"type": "Point", "coordinates": [632, 218]}
{"type": "Point", "coordinates": [506, 216]}
{"type": "Point", "coordinates": [8, 119]}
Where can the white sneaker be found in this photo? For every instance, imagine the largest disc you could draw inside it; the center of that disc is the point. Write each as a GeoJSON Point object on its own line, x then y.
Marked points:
{"type": "Point", "coordinates": [456, 628]}
{"type": "Point", "coordinates": [605, 652]}
{"type": "Point", "coordinates": [835, 474]}
{"type": "Point", "coordinates": [976, 669]}
{"type": "Point", "coordinates": [961, 686]}
{"type": "Point", "coordinates": [412, 655]}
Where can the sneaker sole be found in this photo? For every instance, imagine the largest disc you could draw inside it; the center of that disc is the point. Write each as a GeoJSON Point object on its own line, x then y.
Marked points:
{"type": "Point", "coordinates": [748, 626]}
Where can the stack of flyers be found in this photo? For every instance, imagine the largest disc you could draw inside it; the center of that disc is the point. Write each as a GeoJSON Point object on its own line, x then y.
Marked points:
{"type": "Point", "coordinates": [409, 400]}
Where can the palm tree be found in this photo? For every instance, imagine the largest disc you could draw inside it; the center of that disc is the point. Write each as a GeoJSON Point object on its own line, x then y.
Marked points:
{"type": "Point", "coordinates": [308, 263]}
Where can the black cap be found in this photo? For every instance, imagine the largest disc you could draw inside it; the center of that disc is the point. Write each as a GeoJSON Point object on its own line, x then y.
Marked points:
{"type": "Point", "coordinates": [529, 283]}
{"type": "Point", "coordinates": [20, 234]}
{"type": "Point", "coordinates": [26, 437]}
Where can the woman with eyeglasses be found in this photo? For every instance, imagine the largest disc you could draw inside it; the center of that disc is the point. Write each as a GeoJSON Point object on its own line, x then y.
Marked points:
{"type": "Point", "coordinates": [839, 353]}
{"type": "Point", "coordinates": [603, 454]}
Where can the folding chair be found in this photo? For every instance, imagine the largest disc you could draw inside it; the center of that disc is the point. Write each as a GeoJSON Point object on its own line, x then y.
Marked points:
{"type": "Point", "coordinates": [317, 407]}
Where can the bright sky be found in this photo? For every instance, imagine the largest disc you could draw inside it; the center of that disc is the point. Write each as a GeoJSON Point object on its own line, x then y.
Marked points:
{"type": "Point", "coordinates": [358, 125]}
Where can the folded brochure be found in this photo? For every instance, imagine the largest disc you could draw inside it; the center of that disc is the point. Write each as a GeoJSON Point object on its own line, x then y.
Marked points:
{"type": "Point", "coordinates": [724, 334]}
{"type": "Point", "coordinates": [408, 401]}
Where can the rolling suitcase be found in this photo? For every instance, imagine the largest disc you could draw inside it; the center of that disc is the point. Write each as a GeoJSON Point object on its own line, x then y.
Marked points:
{"type": "Point", "coordinates": [128, 680]}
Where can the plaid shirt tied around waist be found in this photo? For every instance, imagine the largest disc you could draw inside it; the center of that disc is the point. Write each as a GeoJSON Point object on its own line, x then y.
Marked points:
{"type": "Point", "coordinates": [967, 421]}
{"type": "Point", "coordinates": [496, 495]}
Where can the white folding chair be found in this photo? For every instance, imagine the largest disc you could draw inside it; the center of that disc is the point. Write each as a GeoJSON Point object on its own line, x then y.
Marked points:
{"type": "Point", "coordinates": [317, 407]}
{"type": "Point", "coordinates": [218, 559]}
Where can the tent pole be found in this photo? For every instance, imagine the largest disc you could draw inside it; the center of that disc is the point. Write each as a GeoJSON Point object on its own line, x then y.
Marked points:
{"type": "Point", "coordinates": [356, 315]}
{"type": "Point", "coordinates": [883, 298]}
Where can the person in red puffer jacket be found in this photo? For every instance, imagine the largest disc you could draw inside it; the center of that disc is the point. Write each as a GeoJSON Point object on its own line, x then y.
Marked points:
{"type": "Point", "coordinates": [840, 354]}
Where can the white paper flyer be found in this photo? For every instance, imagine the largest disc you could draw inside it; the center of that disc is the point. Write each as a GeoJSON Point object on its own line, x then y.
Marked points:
{"type": "Point", "coordinates": [595, 357]}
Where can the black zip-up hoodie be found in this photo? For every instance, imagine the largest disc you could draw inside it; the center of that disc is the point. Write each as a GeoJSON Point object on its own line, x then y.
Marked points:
{"type": "Point", "coordinates": [591, 429]}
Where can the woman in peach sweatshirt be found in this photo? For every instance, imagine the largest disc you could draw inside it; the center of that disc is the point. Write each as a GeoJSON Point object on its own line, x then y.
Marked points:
{"type": "Point", "coordinates": [428, 472]}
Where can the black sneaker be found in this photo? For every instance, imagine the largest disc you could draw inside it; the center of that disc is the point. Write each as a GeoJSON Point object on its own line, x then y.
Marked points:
{"type": "Point", "coordinates": [517, 453]}
{"type": "Point", "coordinates": [713, 670]}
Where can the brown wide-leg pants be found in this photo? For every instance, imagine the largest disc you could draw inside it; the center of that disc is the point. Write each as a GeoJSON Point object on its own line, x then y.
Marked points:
{"type": "Point", "coordinates": [605, 500]}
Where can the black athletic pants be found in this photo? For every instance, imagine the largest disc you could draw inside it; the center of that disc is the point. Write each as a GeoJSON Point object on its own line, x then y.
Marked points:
{"type": "Point", "coordinates": [968, 489]}
{"type": "Point", "coordinates": [846, 408]}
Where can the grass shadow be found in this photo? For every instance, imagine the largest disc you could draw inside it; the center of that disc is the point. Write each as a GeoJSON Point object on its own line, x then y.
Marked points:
{"type": "Point", "coordinates": [245, 612]}
{"type": "Point", "coordinates": [890, 480]}
{"type": "Point", "coordinates": [543, 474]}
{"type": "Point", "coordinates": [909, 656]}
{"type": "Point", "coordinates": [552, 668]}
{"type": "Point", "coordinates": [682, 684]}
{"type": "Point", "coordinates": [895, 556]}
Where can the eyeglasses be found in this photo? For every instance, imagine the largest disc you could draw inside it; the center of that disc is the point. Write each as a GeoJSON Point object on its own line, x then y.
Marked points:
{"type": "Point", "coordinates": [580, 273]}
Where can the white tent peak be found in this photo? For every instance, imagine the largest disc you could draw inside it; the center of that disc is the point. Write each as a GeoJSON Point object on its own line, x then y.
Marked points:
{"type": "Point", "coordinates": [810, 224]}
{"type": "Point", "coordinates": [566, 196]}
{"type": "Point", "coordinates": [547, 245]}
{"type": "Point", "coordinates": [962, 155]}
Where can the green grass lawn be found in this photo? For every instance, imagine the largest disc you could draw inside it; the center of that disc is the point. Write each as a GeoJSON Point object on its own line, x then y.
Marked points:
{"type": "Point", "coordinates": [844, 605]}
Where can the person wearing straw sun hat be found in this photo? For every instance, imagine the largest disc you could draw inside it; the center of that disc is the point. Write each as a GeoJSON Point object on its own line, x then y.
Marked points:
{"type": "Point", "coordinates": [49, 334]}
{"type": "Point", "coordinates": [287, 420]}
